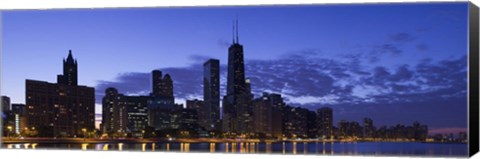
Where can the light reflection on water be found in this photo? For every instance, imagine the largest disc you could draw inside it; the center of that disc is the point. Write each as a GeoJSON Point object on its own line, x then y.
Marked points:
{"type": "Point", "coordinates": [320, 148]}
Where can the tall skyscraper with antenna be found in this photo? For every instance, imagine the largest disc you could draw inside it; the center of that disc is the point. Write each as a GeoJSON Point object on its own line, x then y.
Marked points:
{"type": "Point", "coordinates": [237, 112]}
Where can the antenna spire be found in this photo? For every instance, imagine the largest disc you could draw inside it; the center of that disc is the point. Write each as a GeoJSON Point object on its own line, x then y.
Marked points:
{"type": "Point", "coordinates": [237, 27]}
{"type": "Point", "coordinates": [233, 32]}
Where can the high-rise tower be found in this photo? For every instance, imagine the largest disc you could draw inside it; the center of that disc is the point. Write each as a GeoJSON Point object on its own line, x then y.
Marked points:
{"type": "Point", "coordinates": [237, 111]}
{"type": "Point", "coordinates": [211, 93]}
{"type": "Point", "coordinates": [161, 86]}
{"type": "Point", "coordinates": [325, 122]}
{"type": "Point", "coordinates": [236, 68]}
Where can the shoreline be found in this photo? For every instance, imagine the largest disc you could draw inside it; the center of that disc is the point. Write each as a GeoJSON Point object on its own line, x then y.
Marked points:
{"type": "Point", "coordinates": [199, 140]}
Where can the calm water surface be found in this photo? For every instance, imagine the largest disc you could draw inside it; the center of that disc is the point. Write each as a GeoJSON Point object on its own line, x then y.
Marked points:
{"type": "Point", "coordinates": [313, 148]}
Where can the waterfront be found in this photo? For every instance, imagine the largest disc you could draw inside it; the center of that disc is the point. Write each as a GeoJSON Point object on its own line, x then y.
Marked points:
{"type": "Point", "coordinates": [289, 148]}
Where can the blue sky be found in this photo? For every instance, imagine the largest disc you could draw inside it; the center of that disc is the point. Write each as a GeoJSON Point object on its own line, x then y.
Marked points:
{"type": "Point", "coordinates": [395, 63]}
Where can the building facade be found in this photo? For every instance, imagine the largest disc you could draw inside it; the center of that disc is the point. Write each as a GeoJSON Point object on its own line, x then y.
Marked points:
{"type": "Point", "coordinates": [237, 104]}
{"type": "Point", "coordinates": [5, 103]}
{"type": "Point", "coordinates": [161, 86]}
{"type": "Point", "coordinates": [19, 111]}
{"type": "Point", "coordinates": [201, 111]}
{"type": "Point", "coordinates": [124, 115]}
{"type": "Point", "coordinates": [62, 109]}
{"type": "Point", "coordinates": [325, 122]}
{"type": "Point", "coordinates": [368, 129]}
{"type": "Point", "coordinates": [211, 94]}
{"type": "Point", "coordinates": [295, 122]}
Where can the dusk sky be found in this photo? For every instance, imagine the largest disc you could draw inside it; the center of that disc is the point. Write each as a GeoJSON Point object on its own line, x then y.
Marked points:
{"type": "Point", "coordinates": [394, 63]}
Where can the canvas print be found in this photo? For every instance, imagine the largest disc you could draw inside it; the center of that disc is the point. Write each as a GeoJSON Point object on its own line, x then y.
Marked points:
{"type": "Point", "coordinates": [351, 79]}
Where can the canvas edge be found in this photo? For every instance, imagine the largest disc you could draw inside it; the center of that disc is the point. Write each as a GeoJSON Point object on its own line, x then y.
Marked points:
{"type": "Point", "coordinates": [473, 73]}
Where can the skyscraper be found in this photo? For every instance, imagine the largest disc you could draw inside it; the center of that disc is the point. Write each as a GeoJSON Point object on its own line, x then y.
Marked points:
{"type": "Point", "coordinates": [211, 93]}
{"type": "Point", "coordinates": [114, 119]}
{"type": "Point", "coordinates": [19, 111]}
{"type": "Point", "coordinates": [161, 104]}
{"type": "Point", "coordinates": [295, 122]}
{"type": "Point", "coordinates": [136, 114]}
{"type": "Point", "coordinates": [202, 113]}
{"type": "Point", "coordinates": [236, 70]}
{"type": "Point", "coordinates": [325, 122]}
{"type": "Point", "coordinates": [267, 115]}
{"type": "Point", "coordinates": [368, 129]}
{"type": "Point", "coordinates": [156, 82]}
{"type": "Point", "coordinates": [237, 110]}
{"type": "Point", "coordinates": [161, 86]}
{"type": "Point", "coordinates": [5, 103]}
{"type": "Point", "coordinates": [187, 121]}
{"type": "Point", "coordinates": [166, 88]}
{"type": "Point", "coordinates": [262, 115]}
{"type": "Point", "coordinates": [124, 115]}
{"type": "Point", "coordinates": [277, 118]}
{"type": "Point", "coordinates": [61, 109]}
{"type": "Point", "coordinates": [312, 124]}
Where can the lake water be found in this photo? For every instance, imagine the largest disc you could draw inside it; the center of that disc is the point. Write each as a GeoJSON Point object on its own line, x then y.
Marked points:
{"type": "Point", "coordinates": [309, 148]}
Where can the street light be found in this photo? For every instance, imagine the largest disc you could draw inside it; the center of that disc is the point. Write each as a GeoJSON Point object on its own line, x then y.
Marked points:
{"type": "Point", "coordinates": [84, 130]}
{"type": "Point", "coordinates": [9, 130]}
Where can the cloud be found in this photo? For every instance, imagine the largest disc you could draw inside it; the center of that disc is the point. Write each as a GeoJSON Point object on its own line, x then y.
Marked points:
{"type": "Point", "coordinates": [401, 37]}
{"type": "Point", "coordinates": [391, 49]}
{"type": "Point", "coordinates": [127, 83]}
{"type": "Point", "coordinates": [223, 43]}
{"type": "Point", "coordinates": [300, 75]}
{"type": "Point", "coordinates": [422, 47]}
{"type": "Point", "coordinates": [198, 59]}
{"type": "Point", "coordinates": [436, 88]}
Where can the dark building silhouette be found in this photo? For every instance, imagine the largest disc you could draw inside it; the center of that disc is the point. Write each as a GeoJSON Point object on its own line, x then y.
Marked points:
{"type": "Point", "coordinates": [201, 112]}
{"type": "Point", "coordinates": [14, 120]}
{"type": "Point", "coordinates": [248, 86]}
{"type": "Point", "coordinates": [161, 104]}
{"type": "Point", "coordinates": [61, 109]}
{"type": "Point", "coordinates": [262, 115]}
{"type": "Point", "coordinates": [420, 131]}
{"type": "Point", "coordinates": [325, 122]}
{"type": "Point", "coordinates": [156, 82]}
{"type": "Point", "coordinates": [187, 120]}
{"type": "Point", "coordinates": [160, 110]}
{"type": "Point", "coordinates": [277, 110]}
{"type": "Point", "coordinates": [312, 124]}
{"type": "Point", "coordinates": [19, 111]}
{"type": "Point", "coordinates": [349, 129]}
{"type": "Point", "coordinates": [124, 115]}
{"type": "Point", "coordinates": [211, 93]}
{"type": "Point", "coordinates": [5, 103]}
{"type": "Point", "coordinates": [368, 128]}
{"type": "Point", "coordinates": [166, 88]}
{"type": "Point", "coordinates": [8, 123]}
{"type": "Point", "coordinates": [236, 70]}
{"type": "Point", "coordinates": [267, 115]}
{"type": "Point", "coordinates": [295, 122]}
{"type": "Point", "coordinates": [136, 112]}
{"type": "Point", "coordinates": [70, 71]}
{"type": "Point", "coordinates": [161, 86]}
{"type": "Point", "coordinates": [237, 110]}
{"type": "Point", "coordinates": [113, 118]}
{"type": "Point", "coordinates": [7, 116]}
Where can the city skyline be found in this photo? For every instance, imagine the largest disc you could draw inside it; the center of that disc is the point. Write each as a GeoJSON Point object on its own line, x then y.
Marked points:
{"type": "Point", "coordinates": [328, 87]}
